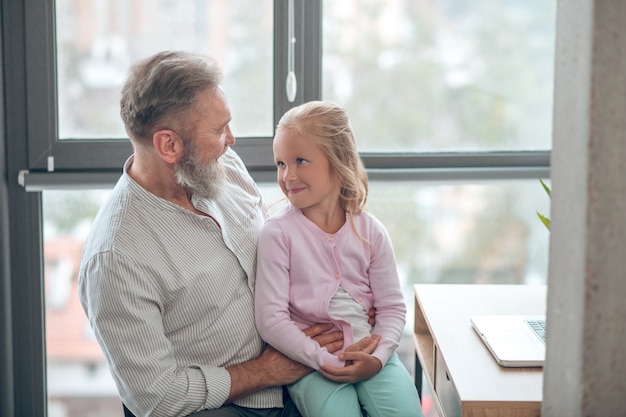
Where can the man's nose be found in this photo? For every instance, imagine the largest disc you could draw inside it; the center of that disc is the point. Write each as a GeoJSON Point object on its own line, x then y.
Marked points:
{"type": "Point", "coordinates": [230, 138]}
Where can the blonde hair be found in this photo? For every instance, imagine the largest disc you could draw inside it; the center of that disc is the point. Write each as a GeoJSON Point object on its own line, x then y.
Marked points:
{"type": "Point", "coordinates": [328, 125]}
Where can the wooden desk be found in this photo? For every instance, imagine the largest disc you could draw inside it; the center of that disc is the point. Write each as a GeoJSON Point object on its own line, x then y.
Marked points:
{"type": "Point", "coordinates": [462, 376]}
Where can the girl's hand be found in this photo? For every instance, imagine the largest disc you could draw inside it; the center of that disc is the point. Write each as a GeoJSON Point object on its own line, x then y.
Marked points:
{"type": "Point", "coordinates": [360, 364]}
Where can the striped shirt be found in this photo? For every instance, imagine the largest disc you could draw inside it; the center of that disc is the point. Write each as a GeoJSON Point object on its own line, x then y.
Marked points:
{"type": "Point", "coordinates": [169, 294]}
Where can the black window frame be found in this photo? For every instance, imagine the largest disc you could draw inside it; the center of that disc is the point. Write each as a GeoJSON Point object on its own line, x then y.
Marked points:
{"type": "Point", "coordinates": [80, 155]}
{"type": "Point", "coordinates": [80, 162]}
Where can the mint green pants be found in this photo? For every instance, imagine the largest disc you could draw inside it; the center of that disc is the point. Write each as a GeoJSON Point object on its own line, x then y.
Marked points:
{"type": "Point", "coordinates": [391, 393]}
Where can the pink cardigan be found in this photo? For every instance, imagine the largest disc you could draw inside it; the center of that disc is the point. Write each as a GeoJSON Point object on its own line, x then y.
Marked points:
{"type": "Point", "coordinates": [299, 269]}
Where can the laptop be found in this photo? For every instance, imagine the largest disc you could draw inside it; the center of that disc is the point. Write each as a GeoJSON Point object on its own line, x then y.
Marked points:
{"type": "Point", "coordinates": [514, 341]}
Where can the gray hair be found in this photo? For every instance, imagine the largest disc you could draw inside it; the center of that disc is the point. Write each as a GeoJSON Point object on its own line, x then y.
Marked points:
{"type": "Point", "coordinates": [161, 88]}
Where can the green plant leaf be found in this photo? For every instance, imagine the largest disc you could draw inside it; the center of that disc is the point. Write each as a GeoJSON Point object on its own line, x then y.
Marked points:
{"type": "Point", "coordinates": [544, 220]}
{"type": "Point", "coordinates": [545, 187]}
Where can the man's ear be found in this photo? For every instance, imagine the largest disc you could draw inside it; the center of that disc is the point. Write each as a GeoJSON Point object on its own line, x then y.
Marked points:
{"type": "Point", "coordinates": [168, 145]}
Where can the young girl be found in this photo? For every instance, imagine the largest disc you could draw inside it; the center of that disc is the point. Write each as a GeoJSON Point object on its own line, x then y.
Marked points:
{"type": "Point", "coordinates": [323, 259]}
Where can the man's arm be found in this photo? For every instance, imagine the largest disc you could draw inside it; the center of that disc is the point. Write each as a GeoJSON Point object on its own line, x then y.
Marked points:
{"type": "Point", "coordinates": [273, 368]}
{"type": "Point", "coordinates": [270, 369]}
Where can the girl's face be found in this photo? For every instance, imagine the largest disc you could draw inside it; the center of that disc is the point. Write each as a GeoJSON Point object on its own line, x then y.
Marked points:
{"type": "Point", "coordinates": [303, 172]}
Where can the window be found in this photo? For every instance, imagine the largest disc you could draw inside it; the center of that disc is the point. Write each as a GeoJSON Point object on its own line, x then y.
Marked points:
{"type": "Point", "coordinates": [437, 76]}
{"type": "Point", "coordinates": [442, 75]}
{"type": "Point", "coordinates": [450, 102]}
{"type": "Point", "coordinates": [97, 41]}
{"type": "Point", "coordinates": [78, 379]}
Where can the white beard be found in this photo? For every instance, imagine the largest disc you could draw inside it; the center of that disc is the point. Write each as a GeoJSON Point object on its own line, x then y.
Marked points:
{"type": "Point", "coordinates": [204, 179]}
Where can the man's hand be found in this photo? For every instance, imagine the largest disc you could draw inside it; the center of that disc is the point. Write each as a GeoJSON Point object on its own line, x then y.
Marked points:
{"type": "Point", "coordinates": [273, 368]}
{"type": "Point", "coordinates": [270, 369]}
{"type": "Point", "coordinates": [360, 364]}
{"type": "Point", "coordinates": [332, 341]}
{"type": "Point", "coordinates": [281, 370]}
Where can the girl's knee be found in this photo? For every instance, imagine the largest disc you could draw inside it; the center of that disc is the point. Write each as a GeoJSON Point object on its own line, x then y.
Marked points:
{"type": "Point", "coordinates": [318, 396]}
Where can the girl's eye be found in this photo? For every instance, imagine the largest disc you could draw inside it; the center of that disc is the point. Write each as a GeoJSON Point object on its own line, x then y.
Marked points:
{"type": "Point", "coordinates": [301, 160]}
{"type": "Point", "coordinates": [280, 164]}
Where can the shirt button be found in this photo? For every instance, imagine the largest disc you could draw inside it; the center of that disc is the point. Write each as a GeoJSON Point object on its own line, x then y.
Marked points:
{"type": "Point", "coordinates": [337, 276]}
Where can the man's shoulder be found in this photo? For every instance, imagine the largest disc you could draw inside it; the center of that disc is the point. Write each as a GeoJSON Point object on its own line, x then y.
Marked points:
{"type": "Point", "coordinates": [233, 161]}
{"type": "Point", "coordinates": [237, 174]}
{"type": "Point", "coordinates": [109, 221]}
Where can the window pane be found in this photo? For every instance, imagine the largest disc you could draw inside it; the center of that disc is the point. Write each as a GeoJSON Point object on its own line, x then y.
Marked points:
{"type": "Point", "coordinates": [442, 75]}
{"type": "Point", "coordinates": [483, 233]}
{"type": "Point", "coordinates": [97, 41]}
{"type": "Point", "coordinates": [78, 379]}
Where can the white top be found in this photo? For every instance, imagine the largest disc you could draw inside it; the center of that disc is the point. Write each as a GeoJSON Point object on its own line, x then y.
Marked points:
{"type": "Point", "coordinates": [344, 306]}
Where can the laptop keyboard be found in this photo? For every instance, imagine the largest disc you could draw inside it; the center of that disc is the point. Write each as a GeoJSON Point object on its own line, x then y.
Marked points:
{"type": "Point", "coordinates": [539, 327]}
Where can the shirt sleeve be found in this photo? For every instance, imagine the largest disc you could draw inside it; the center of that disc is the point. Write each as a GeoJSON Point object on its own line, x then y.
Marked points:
{"type": "Point", "coordinates": [388, 298]}
{"type": "Point", "coordinates": [272, 314]}
{"type": "Point", "coordinates": [124, 311]}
